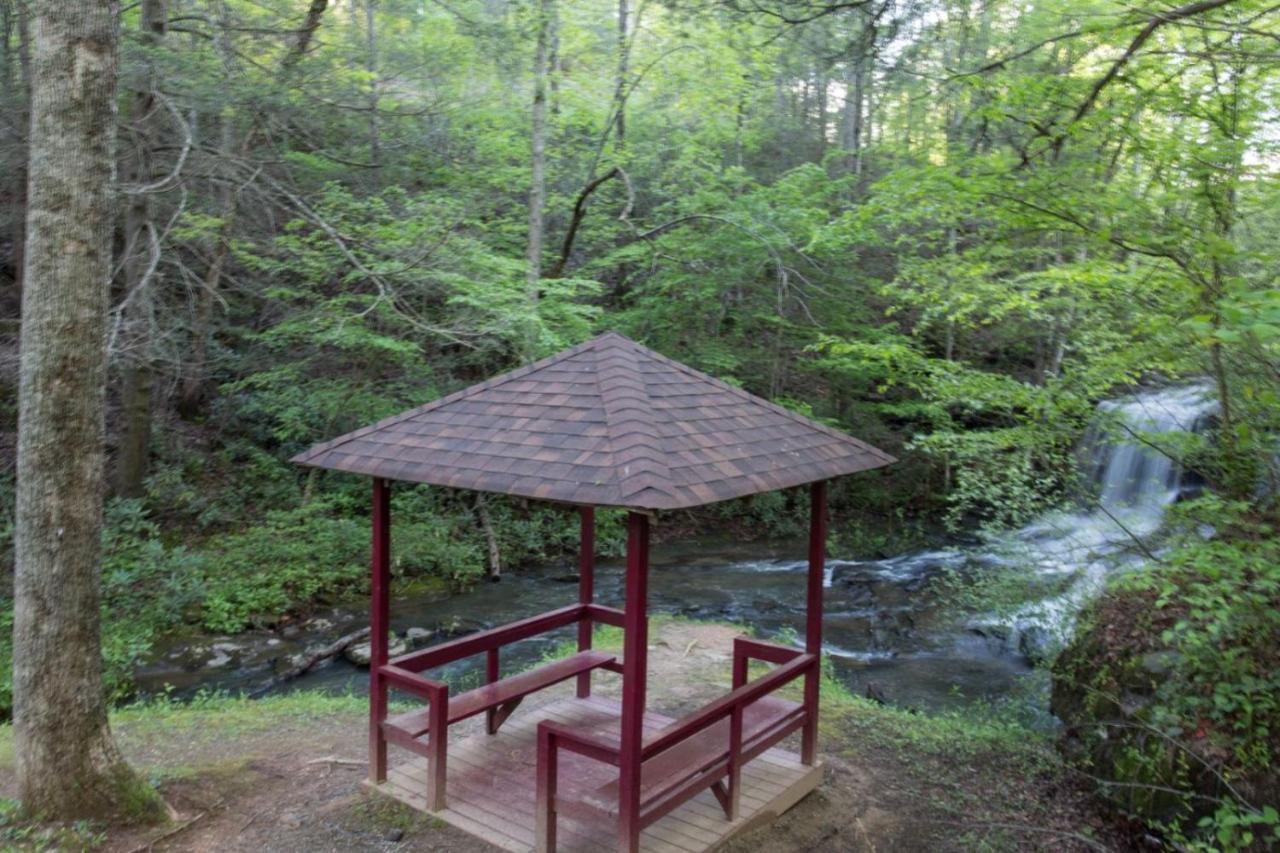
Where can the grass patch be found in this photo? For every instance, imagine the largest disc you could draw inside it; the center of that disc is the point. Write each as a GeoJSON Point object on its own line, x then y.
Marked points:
{"type": "Point", "coordinates": [383, 814]}
{"type": "Point", "coordinates": [214, 717]}
{"type": "Point", "coordinates": [18, 833]}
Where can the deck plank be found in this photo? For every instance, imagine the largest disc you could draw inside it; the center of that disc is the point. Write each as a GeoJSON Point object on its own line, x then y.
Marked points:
{"type": "Point", "coordinates": [491, 787]}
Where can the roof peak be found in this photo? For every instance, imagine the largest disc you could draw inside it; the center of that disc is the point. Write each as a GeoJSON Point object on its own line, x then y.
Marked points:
{"type": "Point", "coordinates": [638, 454]}
{"type": "Point", "coordinates": [608, 422]}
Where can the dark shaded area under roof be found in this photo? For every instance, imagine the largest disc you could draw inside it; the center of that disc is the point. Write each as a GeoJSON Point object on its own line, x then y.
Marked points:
{"type": "Point", "coordinates": [606, 423]}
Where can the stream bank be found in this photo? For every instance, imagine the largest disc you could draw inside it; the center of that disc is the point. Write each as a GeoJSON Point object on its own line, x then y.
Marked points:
{"type": "Point", "coordinates": [284, 773]}
{"type": "Point", "coordinates": [920, 630]}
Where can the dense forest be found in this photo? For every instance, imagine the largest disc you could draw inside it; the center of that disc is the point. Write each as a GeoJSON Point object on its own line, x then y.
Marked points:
{"type": "Point", "coordinates": [948, 227]}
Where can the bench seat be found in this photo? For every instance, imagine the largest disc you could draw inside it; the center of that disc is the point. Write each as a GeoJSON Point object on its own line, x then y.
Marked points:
{"type": "Point", "coordinates": [702, 751]}
{"type": "Point", "coordinates": [503, 692]}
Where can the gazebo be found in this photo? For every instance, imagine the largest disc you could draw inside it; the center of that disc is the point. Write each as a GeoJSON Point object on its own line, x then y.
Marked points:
{"type": "Point", "coordinates": [606, 423]}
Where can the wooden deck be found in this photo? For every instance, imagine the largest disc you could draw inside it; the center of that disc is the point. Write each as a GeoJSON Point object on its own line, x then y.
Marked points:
{"type": "Point", "coordinates": [491, 786]}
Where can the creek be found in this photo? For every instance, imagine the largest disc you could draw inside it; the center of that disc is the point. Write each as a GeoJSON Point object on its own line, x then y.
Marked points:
{"type": "Point", "coordinates": [893, 626]}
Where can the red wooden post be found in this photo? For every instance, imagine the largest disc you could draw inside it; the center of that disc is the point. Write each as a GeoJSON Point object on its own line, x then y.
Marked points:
{"type": "Point", "coordinates": [544, 810]}
{"type": "Point", "coordinates": [635, 665]}
{"type": "Point", "coordinates": [437, 749]}
{"type": "Point", "coordinates": [379, 616]}
{"type": "Point", "coordinates": [813, 625]}
{"type": "Point", "coordinates": [740, 664]}
{"type": "Point", "coordinates": [491, 670]}
{"type": "Point", "coordinates": [735, 764]}
{"type": "Point", "coordinates": [586, 586]}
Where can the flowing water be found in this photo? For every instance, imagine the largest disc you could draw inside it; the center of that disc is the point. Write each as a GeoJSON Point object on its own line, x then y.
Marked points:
{"type": "Point", "coordinates": [891, 625]}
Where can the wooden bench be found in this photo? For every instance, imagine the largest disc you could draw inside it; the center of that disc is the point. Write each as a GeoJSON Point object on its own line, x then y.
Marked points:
{"type": "Point", "coordinates": [425, 732]}
{"type": "Point", "coordinates": [500, 698]}
{"type": "Point", "coordinates": [703, 754]}
{"type": "Point", "coordinates": [706, 749]}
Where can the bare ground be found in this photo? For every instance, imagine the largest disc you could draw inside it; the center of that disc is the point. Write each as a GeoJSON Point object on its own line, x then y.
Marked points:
{"type": "Point", "coordinates": [292, 782]}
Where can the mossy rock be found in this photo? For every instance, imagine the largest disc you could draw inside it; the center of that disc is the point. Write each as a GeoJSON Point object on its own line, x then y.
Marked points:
{"type": "Point", "coordinates": [1107, 691]}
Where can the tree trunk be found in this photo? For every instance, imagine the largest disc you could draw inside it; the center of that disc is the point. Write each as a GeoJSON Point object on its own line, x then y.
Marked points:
{"type": "Point", "coordinates": [620, 78]}
{"type": "Point", "coordinates": [191, 396]}
{"type": "Point", "coordinates": [851, 126]}
{"type": "Point", "coordinates": [821, 84]}
{"type": "Point", "coordinates": [17, 100]}
{"type": "Point", "coordinates": [555, 65]}
{"type": "Point", "coordinates": [141, 248]}
{"type": "Point", "coordinates": [311, 23]}
{"type": "Point", "coordinates": [67, 763]}
{"type": "Point", "coordinates": [371, 65]}
{"type": "Point", "coordinates": [538, 160]}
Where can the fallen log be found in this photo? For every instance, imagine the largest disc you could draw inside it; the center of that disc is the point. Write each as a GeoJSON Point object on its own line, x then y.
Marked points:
{"type": "Point", "coordinates": [311, 661]}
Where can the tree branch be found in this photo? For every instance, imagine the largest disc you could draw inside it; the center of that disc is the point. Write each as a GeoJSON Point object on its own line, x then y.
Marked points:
{"type": "Point", "coordinates": [579, 211]}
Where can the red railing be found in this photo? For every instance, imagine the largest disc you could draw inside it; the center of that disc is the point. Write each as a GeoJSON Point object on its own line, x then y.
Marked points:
{"type": "Point", "coordinates": [491, 640]}
{"type": "Point", "coordinates": [791, 664]}
{"type": "Point", "coordinates": [795, 663]}
{"type": "Point", "coordinates": [403, 673]}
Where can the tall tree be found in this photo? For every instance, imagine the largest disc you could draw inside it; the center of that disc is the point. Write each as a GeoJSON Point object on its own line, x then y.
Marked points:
{"type": "Point", "coordinates": [142, 251]}
{"type": "Point", "coordinates": [14, 96]}
{"type": "Point", "coordinates": [67, 762]}
{"type": "Point", "coordinates": [545, 11]}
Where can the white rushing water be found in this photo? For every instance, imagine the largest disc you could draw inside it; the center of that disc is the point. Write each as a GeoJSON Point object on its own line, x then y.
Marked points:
{"type": "Point", "coordinates": [1136, 479]}
{"type": "Point", "coordinates": [887, 625]}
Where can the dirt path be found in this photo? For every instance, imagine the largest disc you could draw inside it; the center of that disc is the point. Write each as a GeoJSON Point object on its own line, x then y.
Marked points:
{"type": "Point", "coordinates": [289, 778]}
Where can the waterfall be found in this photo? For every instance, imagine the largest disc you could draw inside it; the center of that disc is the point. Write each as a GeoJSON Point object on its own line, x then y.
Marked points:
{"type": "Point", "coordinates": [1135, 477]}
{"type": "Point", "coordinates": [1130, 472]}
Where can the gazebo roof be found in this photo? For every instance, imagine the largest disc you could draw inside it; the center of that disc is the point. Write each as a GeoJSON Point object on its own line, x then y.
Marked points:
{"type": "Point", "coordinates": [606, 423]}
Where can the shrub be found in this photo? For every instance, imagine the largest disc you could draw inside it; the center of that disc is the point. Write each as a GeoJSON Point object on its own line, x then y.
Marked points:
{"type": "Point", "coordinates": [1171, 693]}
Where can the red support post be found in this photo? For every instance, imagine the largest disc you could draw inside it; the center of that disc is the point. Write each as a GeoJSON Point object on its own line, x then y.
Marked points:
{"type": "Point", "coordinates": [635, 671]}
{"type": "Point", "coordinates": [813, 624]}
{"type": "Point", "coordinates": [491, 672]}
{"type": "Point", "coordinates": [545, 791]}
{"type": "Point", "coordinates": [379, 617]}
{"type": "Point", "coordinates": [437, 749]}
{"type": "Point", "coordinates": [586, 587]}
{"type": "Point", "coordinates": [734, 804]}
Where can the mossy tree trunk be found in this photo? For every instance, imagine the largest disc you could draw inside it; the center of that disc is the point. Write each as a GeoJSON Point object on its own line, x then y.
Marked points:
{"type": "Point", "coordinates": [67, 763]}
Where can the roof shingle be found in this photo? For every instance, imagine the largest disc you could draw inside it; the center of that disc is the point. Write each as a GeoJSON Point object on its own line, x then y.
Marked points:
{"type": "Point", "coordinates": [607, 423]}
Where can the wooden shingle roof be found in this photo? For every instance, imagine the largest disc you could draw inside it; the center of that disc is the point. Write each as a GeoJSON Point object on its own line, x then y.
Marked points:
{"type": "Point", "coordinates": [606, 423]}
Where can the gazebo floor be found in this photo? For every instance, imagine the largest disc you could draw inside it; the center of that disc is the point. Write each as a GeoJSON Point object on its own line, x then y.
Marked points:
{"type": "Point", "coordinates": [491, 786]}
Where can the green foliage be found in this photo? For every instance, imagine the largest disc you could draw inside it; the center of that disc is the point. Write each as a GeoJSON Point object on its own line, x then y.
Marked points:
{"type": "Point", "coordinates": [18, 832]}
{"type": "Point", "coordinates": [1174, 683]}
{"type": "Point", "coordinates": [293, 557]}
{"type": "Point", "coordinates": [1003, 243]}
{"type": "Point", "coordinates": [1223, 598]}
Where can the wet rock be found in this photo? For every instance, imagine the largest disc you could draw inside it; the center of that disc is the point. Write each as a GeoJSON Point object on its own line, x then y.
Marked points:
{"type": "Point", "coordinates": [213, 656]}
{"type": "Point", "coordinates": [848, 574]}
{"type": "Point", "coordinates": [317, 625]}
{"type": "Point", "coordinates": [995, 633]}
{"type": "Point", "coordinates": [1036, 644]}
{"type": "Point", "coordinates": [857, 593]}
{"type": "Point", "coordinates": [456, 626]}
{"type": "Point", "coordinates": [854, 627]}
{"type": "Point", "coordinates": [290, 632]}
{"type": "Point", "coordinates": [419, 636]}
{"type": "Point", "coordinates": [360, 653]}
